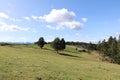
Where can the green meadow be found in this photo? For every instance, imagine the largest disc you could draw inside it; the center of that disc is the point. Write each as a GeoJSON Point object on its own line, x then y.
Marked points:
{"type": "Point", "coordinates": [29, 62]}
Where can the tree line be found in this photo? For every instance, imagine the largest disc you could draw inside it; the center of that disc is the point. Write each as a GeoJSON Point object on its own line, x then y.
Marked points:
{"type": "Point", "coordinates": [60, 44]}
{"type": "Point", "coordinates": [110, 50]}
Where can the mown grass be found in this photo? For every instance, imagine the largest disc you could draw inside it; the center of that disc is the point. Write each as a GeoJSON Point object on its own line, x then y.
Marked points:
{"type": "Point", "coordinates": [27, 62]}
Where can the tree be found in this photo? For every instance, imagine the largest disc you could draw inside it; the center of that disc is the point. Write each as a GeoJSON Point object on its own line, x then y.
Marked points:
{"type": "Point", "coordinates": [119, 38]}
{"type": "Point", "coordinates": [104, 48]}
{"type": "Point", "coordinates": [113, 48]}
{"type": "Point", "coordinates": [99, 46]}
{"type": "Point", "coordinates": [63, 46]}
{"type": "Point", "coordinates": [41, 42]}
{"type": "Point", "coordinates": [58, 44]}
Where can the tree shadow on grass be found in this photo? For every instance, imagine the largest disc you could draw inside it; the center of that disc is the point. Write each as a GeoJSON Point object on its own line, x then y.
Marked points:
{"type": "Point", "coordinates": [71, 51]}
{"type": "Point", "coordinates": [60, 53]}
{"type": "Point", "coordinates": [47, 49]}
{"type": "Point", "coordinates": [68, 55]}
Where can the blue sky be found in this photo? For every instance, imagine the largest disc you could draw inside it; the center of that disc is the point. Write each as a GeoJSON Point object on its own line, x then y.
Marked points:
{"type": "Point", "coordinates": [73, 20]}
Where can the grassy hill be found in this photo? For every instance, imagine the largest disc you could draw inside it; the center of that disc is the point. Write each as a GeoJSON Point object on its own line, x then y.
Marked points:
{"type": "Point", "coordinates": [27, 62]}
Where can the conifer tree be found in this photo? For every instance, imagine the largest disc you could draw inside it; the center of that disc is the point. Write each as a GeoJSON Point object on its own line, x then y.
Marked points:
{"type": "Point", "coordinates": [41, 42]}
{"type": "Point", "coordinates": [63, 46]}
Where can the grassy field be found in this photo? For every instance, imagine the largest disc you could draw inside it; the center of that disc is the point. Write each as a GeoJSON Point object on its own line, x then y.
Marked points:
{"type": "Point", "coordinates": [27, 62]}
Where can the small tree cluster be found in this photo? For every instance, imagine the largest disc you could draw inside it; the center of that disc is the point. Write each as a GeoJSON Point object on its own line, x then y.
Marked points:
{"type": "Point", "coordinates": [58, 44]}
{"type": "Point", "coordinates": [111, 49]}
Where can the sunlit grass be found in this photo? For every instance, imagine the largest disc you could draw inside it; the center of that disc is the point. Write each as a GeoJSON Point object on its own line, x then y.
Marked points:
{"type": "Point", "coordinates": [26, 62]}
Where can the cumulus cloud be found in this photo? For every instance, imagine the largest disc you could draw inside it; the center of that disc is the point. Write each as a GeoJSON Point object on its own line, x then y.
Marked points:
{"type": "Point", "coordinates": [3, 15]}
{"type": "Point", "coordinates": [84, 19]}
{"type": "Point", "coordinates": [7, 27]}
{"type": "Point", "coordinates": [63, 18]}
{"type": "Point", "coordinates": [34, 17]}
{"type": "Point", "coordinates": [72, 24]}
{"type": "Point", "coordinates": [27, 18]}
{"type": "Point", "coordinates": [58, 15]}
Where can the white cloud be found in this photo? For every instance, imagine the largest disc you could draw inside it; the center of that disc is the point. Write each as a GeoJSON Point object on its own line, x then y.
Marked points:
{"type": "Point", "coordinates": [10, 27]}
{"type": "Point", "coordinates": [63, 18]}
{"type": "Point", "coordinates": [72, 24]}
{"type": "Point", "coordinates": [58, 15]}
{"type": "Point", "coordinates": [27, 18]}
{"type": "Point", "coordinates": [34, 17]}
{"type": "Point", "coordinates": [56, 28]}
{"type": "Point", "coordinates": [50, 27]}
{"type": "Point", "coordinates": [6, 27]}
{"type": "Point", "coordinates": [84, 19]}
{"type": "Point", "coordinates": [14, 19]}
{"type": "Point", "coordinates": [3, 15]}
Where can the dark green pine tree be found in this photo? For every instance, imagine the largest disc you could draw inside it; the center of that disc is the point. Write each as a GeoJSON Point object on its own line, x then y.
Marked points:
{"type": "Point", "coordinates": [41, 42]}
{"type": "Point", "coordinates": [115, 50]}
{"type": "Point", "coordinates": [110, 46]}
{"type": "Point", "coordinates": [117, 57]}
{"type": "Point", "coordinates": [63, 45]}
{"type": "Point", "coordinates": [119, 38]}
{"type": "Point", "coordinates": [119, 44]}
{"type": "Point", "coordinates": [104, 48]}
{"type": "Point", "coordinates": [99, 45]}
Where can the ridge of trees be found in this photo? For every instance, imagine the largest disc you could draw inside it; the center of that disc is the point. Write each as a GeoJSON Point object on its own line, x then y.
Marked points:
{"type": "Point", "coordinates": [110, 49]}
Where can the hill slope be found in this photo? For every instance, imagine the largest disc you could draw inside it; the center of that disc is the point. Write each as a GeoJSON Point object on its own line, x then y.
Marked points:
{"type": "Point", "coordinates": [29, 62]}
